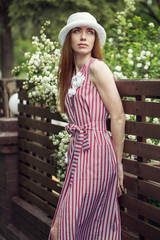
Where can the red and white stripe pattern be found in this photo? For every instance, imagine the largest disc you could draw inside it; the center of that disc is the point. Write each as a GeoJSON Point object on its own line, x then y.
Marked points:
{"type": "Point", "coordinates": [88, 207]}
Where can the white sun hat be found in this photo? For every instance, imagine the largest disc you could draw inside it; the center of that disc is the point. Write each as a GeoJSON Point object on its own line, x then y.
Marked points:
{"type": "Point", "coordinates": [82, 19]}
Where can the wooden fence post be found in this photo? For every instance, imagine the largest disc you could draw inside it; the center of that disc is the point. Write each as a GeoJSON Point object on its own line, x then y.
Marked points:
{"type": "Point", "coordinates": [8, 168]}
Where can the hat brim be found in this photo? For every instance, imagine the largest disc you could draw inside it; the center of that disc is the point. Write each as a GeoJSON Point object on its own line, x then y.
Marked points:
{"type": "Point", "coordinates": [97, 27]}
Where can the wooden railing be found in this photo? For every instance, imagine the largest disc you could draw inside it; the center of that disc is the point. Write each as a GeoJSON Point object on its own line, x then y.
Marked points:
{"type": "Point", "coordinates": [140, 212]}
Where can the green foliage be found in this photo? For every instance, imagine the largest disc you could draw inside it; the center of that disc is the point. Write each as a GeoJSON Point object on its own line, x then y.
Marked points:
{"type": "Point", "coordinates": [134, 49]}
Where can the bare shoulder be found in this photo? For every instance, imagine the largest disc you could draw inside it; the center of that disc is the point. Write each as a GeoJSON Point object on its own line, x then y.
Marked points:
{"type": "Point", "coordinates": [99, 71]}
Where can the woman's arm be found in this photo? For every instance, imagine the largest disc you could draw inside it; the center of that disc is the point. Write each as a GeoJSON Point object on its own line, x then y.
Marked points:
{"type": "Point", "coordinates": [103, 80]}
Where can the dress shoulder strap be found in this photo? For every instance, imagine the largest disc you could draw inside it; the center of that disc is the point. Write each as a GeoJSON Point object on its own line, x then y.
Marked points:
{"type": "Point", "coordinates": [88, 66]}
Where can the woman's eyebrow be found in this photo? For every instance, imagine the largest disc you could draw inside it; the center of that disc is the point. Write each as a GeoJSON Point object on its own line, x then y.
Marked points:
{"type": "Point", "coordinates": [90, 29]}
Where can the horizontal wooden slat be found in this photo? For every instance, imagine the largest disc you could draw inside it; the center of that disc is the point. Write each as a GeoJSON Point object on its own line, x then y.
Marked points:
{"type": "Point", "coordinates": [149, 189]}
{"type": "Point", "coordinates": [145, 188]}
{"type": "Point", "coordinates": [140, 207]}
{"type": "Point", "coordinates": [147, 130]}
{"type": "Point", "coordinates": [138, 87]}
{"type": "Point", "coordinates": [35, 136]}
{"type": "Point", "coordinates": [39, 111]}
{"type": "Point", "coordinates": [35, 148]}
{"type": "Point", "coordinates": [39, 177]}
{"type": "Point", "coordinates": [31, 214]}
{"type": "Point", "coordinates": [36, 162]}
{"type": "Point", "coordinates": [142, 149]}
{"type": "Point", "coordinates": [37, 201]}
{"type": "Point", "coordinates": [150, 109]}
{"type": "Point", "coordinates": [128, 235]}
{"type": "Point", "coordinates": [39, 191]}
{"type": "Point", "coordinates": [144, 170]}
{"type": "Point", "coordinates": [30, 230]}
{"type": "Point", "coordinates": [40, 125]}
{"type": "Point", "coordinates": [139, 226]}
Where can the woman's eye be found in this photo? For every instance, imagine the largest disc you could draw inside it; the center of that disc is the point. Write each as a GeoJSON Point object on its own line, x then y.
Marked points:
{"type": "Point", "coordinates": [75, 30]}
{"type": "Point", "coordinates": [91, 32]}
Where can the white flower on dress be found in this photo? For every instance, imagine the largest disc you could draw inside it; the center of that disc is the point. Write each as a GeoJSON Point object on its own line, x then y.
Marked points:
{"type": "Point", "coordinates": [77, 81]}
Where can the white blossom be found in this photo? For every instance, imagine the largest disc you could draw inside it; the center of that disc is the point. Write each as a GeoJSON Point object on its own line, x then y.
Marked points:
{"type": "Point", "coordinates": [155, 120]}
{"type": "Point", "coordinates": [149, 141]}
{"type": "Point", "coordinates": [148, 53]}
{"type": "Point", "coordinates": [118, 68]}
{"type": "Point", "coordinates": [130, 55]}
{"type": "Point", "coordinates": [130, 50]}
{"type": "Point", "coordinates": [146, 67]}
{"type": "Point", "coordinates": [119, 31]}
{"type": "Point", "coordinates": [138, 58]}
{"type": "Point", "coordinates": [110, 40]}
{"type": "Point", "coordinates": [127, 116]}
{"type": "Point", "coordinates": [146, 76]}
{"type": "Point", "coordinates": [134, 74]}
{"type": "Point", "coordinates": [131, 62]}
{"type": "Point", "coordinates": [139, 65]}
{"type": "Point", "coordinates": [143, 53]}
{"type": "Point", "coordinates": [151, 24]}
{"type": "Point", "coordinates": [118, 55]}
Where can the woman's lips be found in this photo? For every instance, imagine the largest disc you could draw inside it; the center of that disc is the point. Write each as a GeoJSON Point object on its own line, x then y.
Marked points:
{"type": "Point", "coordinates": [82, 45]}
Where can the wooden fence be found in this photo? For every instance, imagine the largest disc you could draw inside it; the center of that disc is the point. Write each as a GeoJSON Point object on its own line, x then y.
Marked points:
{"type": "Point", "coordinates": [140, 212]}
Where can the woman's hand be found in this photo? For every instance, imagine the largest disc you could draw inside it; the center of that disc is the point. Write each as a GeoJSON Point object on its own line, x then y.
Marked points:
{"type": "Point", "coordinates": [120, 179]}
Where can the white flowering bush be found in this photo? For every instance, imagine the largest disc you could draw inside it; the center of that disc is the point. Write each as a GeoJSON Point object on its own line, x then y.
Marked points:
{"type": "Point", "coordinates": [41, 84]}
{"type": "Point", "coordinates": [62, 141]}
{"type": "Point", "coordinates": [134, 53]}
{"type": "Point", "coordinates": [41, 68]}
{"type": "Point", "coordinates": [134, 50]}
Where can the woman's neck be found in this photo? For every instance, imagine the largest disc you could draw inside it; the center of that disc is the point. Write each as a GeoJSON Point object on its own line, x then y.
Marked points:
{"type": "Point", "coordinates": [80, 61]}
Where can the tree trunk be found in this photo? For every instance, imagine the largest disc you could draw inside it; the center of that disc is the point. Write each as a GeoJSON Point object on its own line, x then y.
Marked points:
{"type": "Point", "coordinates": [6, 43]}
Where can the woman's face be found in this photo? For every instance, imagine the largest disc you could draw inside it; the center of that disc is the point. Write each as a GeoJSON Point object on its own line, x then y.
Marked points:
{"type": "Point", "coordinates": [82, 40]}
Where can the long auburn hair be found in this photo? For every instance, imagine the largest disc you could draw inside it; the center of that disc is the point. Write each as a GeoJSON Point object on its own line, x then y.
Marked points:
{"type": "Point", "coordinates": [67, 65]}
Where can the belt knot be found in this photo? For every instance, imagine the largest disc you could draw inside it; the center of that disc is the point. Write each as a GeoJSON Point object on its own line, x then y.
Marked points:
{"type": "Point", "coordinates": [80, 133]}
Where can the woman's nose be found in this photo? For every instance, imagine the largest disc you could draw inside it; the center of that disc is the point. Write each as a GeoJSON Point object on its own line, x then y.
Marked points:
{"type": "Point", "coordinates": [83, 35]}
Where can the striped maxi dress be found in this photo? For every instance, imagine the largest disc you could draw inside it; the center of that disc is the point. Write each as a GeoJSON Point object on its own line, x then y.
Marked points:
{"type": "Point", "coordinates": [88, 207]}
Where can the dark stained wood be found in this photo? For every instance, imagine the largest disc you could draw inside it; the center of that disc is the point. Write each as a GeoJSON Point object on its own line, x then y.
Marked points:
{"type": "Point", "coordinates": [144, 170]}
{"type": "Point", "coordinates": [140, 207]}
{"type": "Point", "coordinates": [39, 111]}
{"type": "Point", "coordinates": [139, 226]}
{"type": "Point", "coordinates": [35, 148]}
{"type": "Point", "coordinates": [33, 135]}
{"type": "Point", "coordinates": [39, 177]}
{"type": "Point", "coordinates": [142, 149]}
{"type": "Point", "coordinates": [37, 201]}
{"type": "Point", "coordinates": [39, 191]}
{"type": "Point", "coordinates": [130, 183]}
{"type": "Point", "coordinates": [147, 130]}
{"type": "Point", "coordinates": [40, 125]}
{"type": "Point", "coordinates": [128, 235]}
{"type": "Point", "coordinates": [32, 214]}
{"type": "Point", "coordinates": [22, 95]}
{"type": "Point", "coordinates": [146, 188]}
{"type": "Point", "coordinates": [36, 162]}
{"type": "Point", "coordinates": [138, 87]}
{"type": "Point", "coordinates": [149, 189]}
{"type": "Point", "coordinates": [150, 109]}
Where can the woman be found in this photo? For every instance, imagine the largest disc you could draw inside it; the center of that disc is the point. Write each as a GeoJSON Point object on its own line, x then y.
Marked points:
{"type": "Point", "coordinates": [88, 207]}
